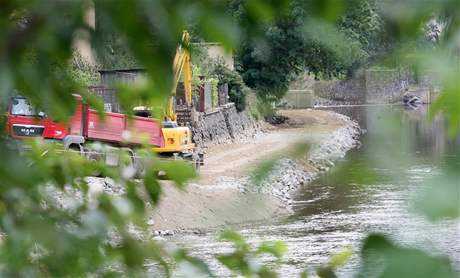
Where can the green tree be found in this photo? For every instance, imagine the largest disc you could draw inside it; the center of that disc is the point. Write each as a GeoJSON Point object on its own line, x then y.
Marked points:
{"type": "Point", "coordinates": [237, 90]}
{"type": "Point", "coordinates": [363, 24]}
{"type": "Point", "coordinates": [302, 39]}
{"type": "Point", "coordinates": [113, 53]}
{"type": "Point", "coordinates": [268, 64]}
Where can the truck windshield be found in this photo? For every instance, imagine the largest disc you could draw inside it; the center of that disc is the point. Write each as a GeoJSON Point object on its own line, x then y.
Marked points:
{"type": "Point", "coordinates": [22, 107]}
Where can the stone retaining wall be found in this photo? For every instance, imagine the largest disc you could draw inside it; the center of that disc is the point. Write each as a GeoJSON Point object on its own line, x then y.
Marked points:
{"type": "Point", "coordinates": [372, 87]}
{"type": "Point", "coordinates": [340, 91]}
{"type": "Point", "coordinates": [225, 125]}
{"type": "Point", "coordinates": [386, 86]}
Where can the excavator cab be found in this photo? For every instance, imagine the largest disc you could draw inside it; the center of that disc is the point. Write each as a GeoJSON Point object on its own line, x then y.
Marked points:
{"type": "Point", "coordinates": [178, 139]}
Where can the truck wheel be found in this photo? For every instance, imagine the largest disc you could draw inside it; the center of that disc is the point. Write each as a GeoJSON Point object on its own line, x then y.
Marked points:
{"type": "Point", "coordinates": [197, 166]}
{"type": "Point", "coordinates": [140, 160]}
{"type": "Point", "coordinates": [198, 161]}
{"type": "Point", "coordinates": [77, 148]}
{"type": "Point", "coordinates": [94, 157]}
{"type": "Point", "coordinates": [126, 163]}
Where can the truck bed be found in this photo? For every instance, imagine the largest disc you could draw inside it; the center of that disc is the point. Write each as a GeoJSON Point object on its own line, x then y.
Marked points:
{"type": "Point", "coordinates": [117, 128]}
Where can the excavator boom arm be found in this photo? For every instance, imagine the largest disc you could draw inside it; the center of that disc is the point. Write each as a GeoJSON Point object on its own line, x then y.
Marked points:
{"type": "Point", "coordinates": [181, 66]}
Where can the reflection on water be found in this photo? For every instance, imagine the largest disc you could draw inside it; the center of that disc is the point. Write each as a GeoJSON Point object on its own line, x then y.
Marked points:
{"type": "Point", "coordinates": [371, 190]}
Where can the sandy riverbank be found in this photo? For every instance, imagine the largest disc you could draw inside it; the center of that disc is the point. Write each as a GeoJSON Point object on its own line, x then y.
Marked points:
{"type": "Point", "coordinates": [224, 194]}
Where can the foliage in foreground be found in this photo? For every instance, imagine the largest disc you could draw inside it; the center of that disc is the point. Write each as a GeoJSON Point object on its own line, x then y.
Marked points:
{"type": "Point", "coordinates": [52, 224]}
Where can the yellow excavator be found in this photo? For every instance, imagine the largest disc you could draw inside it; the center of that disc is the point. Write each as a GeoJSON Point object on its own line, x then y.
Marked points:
{"type": "Point", "coordinates": [178, 139]}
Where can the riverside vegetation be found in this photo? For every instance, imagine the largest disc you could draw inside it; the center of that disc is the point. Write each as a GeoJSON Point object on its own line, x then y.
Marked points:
{"type": "Point", "coordinates": [274, 40]}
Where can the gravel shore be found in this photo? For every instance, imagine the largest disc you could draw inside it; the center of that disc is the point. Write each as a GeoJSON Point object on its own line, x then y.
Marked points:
{"type": "Point", "coordinates": [288, 175]}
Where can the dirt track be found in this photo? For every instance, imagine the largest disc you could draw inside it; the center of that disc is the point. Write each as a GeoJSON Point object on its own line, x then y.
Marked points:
{"type": "Point", "coordinates": [239, 159]}
{"type": "Point", "coordinates": [210, 201]}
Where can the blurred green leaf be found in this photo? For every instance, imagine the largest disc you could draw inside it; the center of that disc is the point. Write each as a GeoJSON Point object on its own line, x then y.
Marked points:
{"type": "Point", "coordinates": [326, 272]}
{"type": "Point", "coordinates": [382, 258]}
{"type": "Point", "coordinates": [441, 197]}
{"type": "Point", "coordinates": [235, 262]}
{"type": "Point", "coordinates": [181, 255]}
{"type": "Point", "coordinates": [449, 102]}
{"type": "Point", "coordinates": [340, 258]}
{"type": "Point", "coordinates": [266, 167]}
{"type": "Point", "coordinates": [244, 261]}
{"type": "Point", "coordinates": [133, 196]}
{"type": "Point", "coordinates": [336, 261]}
{"type": "Point", "coordinates": [235, 238]}
{"type": "Point", "coordinates": [133, 255]}
{"type": "Point", "coordinates": [276, 248]}
{"type": "Point", "coordinates": [405, 18]}
{"type": "Point", "coordinates": [267, 273]}
{"type": "Point", "coordinates": [179, 171]}
{"type": "Point", "coordinates": [263, 170]}
{"type": "Point", "coordinates": [152, 186]}
{"type": "Point", "coordinates": [330, 10]}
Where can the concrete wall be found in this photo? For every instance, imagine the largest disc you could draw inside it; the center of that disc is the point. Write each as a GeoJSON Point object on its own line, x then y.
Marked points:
{"type": "Point", "coordinates": [298, 99]}
{"type": "Point", "coordinates": [341, 91]}
{"type": "Point", "coordinates": [385, 86]}
{"type": "Point", "coordinates": [216, 51]}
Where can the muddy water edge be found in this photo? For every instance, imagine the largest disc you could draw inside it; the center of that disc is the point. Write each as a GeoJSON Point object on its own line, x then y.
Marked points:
{"type": "Point", "coordinates": [372, 189]}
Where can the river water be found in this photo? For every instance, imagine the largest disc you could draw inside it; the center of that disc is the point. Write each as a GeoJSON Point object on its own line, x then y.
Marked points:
{"type": "Point", "coordinates": [373, 189]}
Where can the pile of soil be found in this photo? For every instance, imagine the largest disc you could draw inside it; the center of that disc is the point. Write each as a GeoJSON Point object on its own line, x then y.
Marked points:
{"type": "Point", "coordinates": [276, 119]}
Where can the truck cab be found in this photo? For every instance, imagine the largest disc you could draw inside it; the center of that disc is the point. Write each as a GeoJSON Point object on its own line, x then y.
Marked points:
{"type": "Point", "coordinates": [24, 121]}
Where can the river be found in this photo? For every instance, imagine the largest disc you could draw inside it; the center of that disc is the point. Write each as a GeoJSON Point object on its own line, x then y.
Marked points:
{"type": "Point", "coordinates": [371, 190]}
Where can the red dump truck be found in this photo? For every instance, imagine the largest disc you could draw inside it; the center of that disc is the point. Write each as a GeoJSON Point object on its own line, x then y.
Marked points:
{"type": "Point", "coordinates": [85, 126]}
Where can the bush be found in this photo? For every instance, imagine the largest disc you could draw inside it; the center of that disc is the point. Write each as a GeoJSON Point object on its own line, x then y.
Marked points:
{"type": "Point", "coordinates": [83, 72]}
{"type": "Point", "coordinates": [236, 86]}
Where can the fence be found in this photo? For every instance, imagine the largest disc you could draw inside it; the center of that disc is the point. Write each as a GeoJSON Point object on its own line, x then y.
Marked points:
{"type": "Point", "coordinates": [203, 101]}
{"type": "Point", "coordinates": [109, 78]}
{"type": "Point", "coordinates": [108, 96]}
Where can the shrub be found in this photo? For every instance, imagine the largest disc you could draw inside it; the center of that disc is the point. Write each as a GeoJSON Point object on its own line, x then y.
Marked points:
{"type": "Point", "coordinates": [236, 86]}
